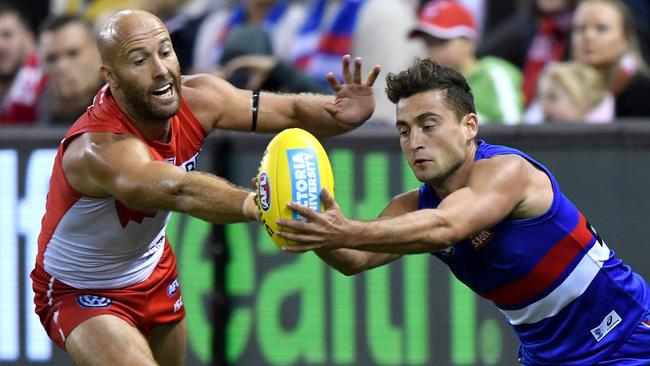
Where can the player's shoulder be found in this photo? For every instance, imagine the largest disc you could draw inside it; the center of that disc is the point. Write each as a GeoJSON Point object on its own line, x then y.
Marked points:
{"type": "Point", "coordinates": [200, 82]}
{"type": "Point", "coordinates": [202, 90]}
{"type": "Point", "coordinates": [206, 96]}
{"type": "Point", "coordinates": [402, 203]}
{"type": "Point", "coordinates": [407, 196]}
{"type": "Point", "coordinates": [95, 139]}
{"type": "Point", "coordinates": [501, 169]}
{"type": "Point", "coordinates": [506, 163]}
{"type": "Point", "coordinates": [87, 145]}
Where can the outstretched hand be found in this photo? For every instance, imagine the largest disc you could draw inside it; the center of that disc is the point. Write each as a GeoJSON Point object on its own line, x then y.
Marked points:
{"type": "Point", "coordinates": [327, 230]}
{"type": "Point", "coordinates": [354, 101]}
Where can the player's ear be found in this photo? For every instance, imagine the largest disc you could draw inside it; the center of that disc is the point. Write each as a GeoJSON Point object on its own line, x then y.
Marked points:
{"type": "Point", "coordinates": [108, 75]}
{"type": "Point", "coordinates": [470, 125]}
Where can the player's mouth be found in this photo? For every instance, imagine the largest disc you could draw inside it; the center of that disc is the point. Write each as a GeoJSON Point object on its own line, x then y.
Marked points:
{"type": "Point", "coordinates": [420, 162]}
{"type": "Point", "coordinates": [165, 93]}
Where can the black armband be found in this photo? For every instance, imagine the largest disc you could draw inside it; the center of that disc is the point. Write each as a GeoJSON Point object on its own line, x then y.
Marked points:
{"type": "Point", "coordinates": [255, 107]}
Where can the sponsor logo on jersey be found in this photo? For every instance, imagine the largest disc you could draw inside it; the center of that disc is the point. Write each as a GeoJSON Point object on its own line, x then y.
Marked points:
{"type": "Point", "coordinates": [264, 191]}
{"type": "Point", "coordinates": [173, 287]}
{"type": "Point", "coordinates": [305, 178]}
{"type": "Point", "coordinates": [610, 322]}
{"type": "Point", "coordinates": [482, 238]}
{"type": "Point", "coordinates": [178, 304]}
{"type": "Point", "coordinates": [93, 301]}
{"type": "Point", "coordinates": [190, 164]}
{"type": "Point", "coordinates": [153, 247]}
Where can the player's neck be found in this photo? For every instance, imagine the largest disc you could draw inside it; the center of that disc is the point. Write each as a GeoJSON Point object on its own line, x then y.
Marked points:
{"type": "Point", "coordinates": [151, 130]}
{"type": "Point", "coordinates": [458, 178]}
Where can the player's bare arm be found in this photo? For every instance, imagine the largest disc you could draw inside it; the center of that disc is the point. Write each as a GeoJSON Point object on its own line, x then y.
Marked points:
{"type": "Point", "coordinates": [96, 164]}
{"type": "Point", "coordinates": [351, 261]}
{"type": "Point", "coordinates": [218, 104]}
{"type": "Point", "coordinates": [497, 188]}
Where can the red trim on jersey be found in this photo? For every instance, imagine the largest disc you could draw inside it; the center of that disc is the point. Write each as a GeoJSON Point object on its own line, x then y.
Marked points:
{"type": "Point", "coordinates": [547, 270]}
{"type": "Point", "coordinates": [646, 322]}
{"type": "Point", "coordinates": [105, 115]}
{"type": "Point", "coordinates": [57, 204]}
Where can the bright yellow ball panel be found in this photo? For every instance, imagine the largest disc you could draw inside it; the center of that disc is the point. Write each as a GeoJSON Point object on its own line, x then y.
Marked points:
{"type": "Point", "coordinates": [295, 167]}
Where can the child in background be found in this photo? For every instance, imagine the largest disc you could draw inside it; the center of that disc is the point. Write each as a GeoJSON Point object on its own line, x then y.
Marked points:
{"type": "Point", "coordinates": [574, 92]}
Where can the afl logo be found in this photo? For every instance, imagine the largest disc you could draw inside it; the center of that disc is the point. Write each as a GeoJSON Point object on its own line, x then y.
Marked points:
{"type": "Point", "coordinates": [93, 301]}
{"type": "Point", "coordinates": [173, 288]}
{"type": "Point", "coordinates": [264, 191]}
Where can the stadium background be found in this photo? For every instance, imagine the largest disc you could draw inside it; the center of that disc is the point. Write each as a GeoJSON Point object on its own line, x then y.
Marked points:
{"type": "Point", "coordinates": [250, 304]}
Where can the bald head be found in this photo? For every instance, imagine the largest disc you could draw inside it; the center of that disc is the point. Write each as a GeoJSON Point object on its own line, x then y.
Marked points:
{"type": "Point", "coordinates": [140, 65]}
{"type": "Point", "coordinates": [123, 26]}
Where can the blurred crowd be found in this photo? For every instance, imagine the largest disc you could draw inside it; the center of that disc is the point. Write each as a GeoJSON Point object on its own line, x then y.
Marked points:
{"type": "Point", "coordinates": [527, 61]}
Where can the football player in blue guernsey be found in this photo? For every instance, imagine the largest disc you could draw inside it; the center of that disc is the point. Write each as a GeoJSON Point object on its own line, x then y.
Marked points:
{"type": "Point", "coordinates": [499, 220]}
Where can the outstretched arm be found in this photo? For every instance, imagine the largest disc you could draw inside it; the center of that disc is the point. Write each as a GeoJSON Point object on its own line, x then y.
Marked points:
{"type": "Point", "coordinates": [351, 261]}
{"type": "Point", "coordinates": [500, 187]}
{"type": "Point", "coordinates": [106, 164]}
{"type": "Point", "coordinates": [218, 104]}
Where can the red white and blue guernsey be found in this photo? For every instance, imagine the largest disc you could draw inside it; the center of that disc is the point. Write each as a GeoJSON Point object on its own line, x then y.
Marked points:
{"type": "Point", "coordinates": [568, 298]}
{"type": "Point", "coordinates": [100, 243]}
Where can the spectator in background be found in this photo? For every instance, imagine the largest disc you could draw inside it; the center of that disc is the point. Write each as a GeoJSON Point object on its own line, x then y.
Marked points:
{"type": "Point", "coordinates": [249, 44]}
{"type": "Point", "coordinates": [95, 11]}
{"type": "Point", "coordinates": [478, 9]}
{"type": "Point", "coordinates": [574, 92]}
{"type": "Point", "coordinates": [280, 19]}
{"type": "Point", "coordinates": [248, 63]}
{"type": "Point", "coordinates": [604, 37]}
{"type": "Point", "coordinates": [20, 76]}
{"type": "Point", "coordinates": [34, 12]}
{"type": "Point", "coordinates": [532, 38]}
{"type": "Point", "coordinates": [450, 34]}
{"type": "Point", "coordinates": [496, 12]}
{"type": "Point", "coordinates": [640, 10]}
{"type": "Point", "coordinates": [71, 65]}
{"type": "Point", "coordinates": [375, 30]}
{"type": "Point", "coordinates": [182, 19]}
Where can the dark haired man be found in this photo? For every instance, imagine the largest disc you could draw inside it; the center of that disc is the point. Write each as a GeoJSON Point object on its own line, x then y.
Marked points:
{"type": "Point", "coordinates": [498, 219]}
{"type": "Point", "coordinates": [71, 64]}
{"type": "Point", "coordinates": [20, 75]}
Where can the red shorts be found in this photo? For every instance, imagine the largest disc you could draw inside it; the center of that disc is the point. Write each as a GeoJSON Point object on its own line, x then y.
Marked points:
{"type": "Point", "coordinates": [155, 301]}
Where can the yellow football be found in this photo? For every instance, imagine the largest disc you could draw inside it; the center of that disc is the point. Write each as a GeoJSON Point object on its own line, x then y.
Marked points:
{"type": "Point", "coordinates": [295, 168]}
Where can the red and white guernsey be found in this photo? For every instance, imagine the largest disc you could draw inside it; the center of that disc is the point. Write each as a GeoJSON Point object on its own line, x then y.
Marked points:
{"type": "Point", "coordinates": [100, 243]}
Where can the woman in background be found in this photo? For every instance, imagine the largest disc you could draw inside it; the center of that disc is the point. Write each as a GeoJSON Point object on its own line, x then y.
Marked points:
{"type": "Point", "coordinates": [603, 36]}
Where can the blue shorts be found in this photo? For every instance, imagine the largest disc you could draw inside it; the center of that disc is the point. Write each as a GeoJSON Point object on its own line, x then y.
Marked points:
{"type": "Point", "coordinates": [636, 351]}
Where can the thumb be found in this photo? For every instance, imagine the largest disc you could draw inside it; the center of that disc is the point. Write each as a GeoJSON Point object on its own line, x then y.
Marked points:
{"type": "Point", "coordinates": [327, 199]}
